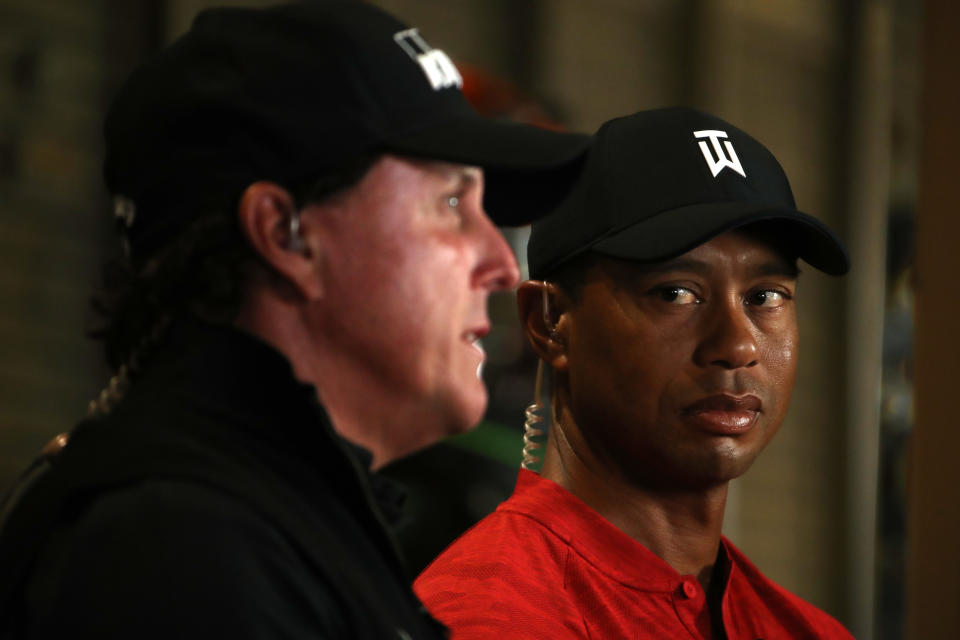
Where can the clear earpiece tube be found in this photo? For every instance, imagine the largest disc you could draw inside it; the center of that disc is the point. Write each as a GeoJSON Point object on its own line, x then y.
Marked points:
{"type": "Point", "coordinates": [530, 428]}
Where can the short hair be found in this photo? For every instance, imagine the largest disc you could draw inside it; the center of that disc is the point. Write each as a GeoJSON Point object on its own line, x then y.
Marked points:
{"type": "Point", "coordinates": [572, 275]}
{"type": "Point", "coordinates": [202, 271]}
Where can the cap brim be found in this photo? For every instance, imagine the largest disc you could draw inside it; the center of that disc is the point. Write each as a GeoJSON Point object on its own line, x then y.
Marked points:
{"type": "Point", "coordinates": [527, 170]}
{"type": "Point", "coordinates": [674, 232]}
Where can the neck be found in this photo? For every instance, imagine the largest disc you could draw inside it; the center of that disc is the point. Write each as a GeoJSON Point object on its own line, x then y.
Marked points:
{"type": "Point", "coordinates": [361, 418]}
{"type": "Point", "coordinates": [682, 527]}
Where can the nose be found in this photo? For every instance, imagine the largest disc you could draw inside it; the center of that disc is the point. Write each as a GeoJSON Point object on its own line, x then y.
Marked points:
{"type": "Point", "coordinates": [497, 267]}
{"type": "Point", "coordinates": [729, 338]}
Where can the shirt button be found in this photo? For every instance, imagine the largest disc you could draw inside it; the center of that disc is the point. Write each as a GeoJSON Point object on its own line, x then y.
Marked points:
{"type": "Point", "coordinates": [689, 589]}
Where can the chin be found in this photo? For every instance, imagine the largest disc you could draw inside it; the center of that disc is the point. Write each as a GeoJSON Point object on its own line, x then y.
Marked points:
{"type": "Point", "coordinates": [730, 468]}
{"type": "Point", "coordinates": [467, 412]}
{"type": "Point", "coordinates": [700, 472]}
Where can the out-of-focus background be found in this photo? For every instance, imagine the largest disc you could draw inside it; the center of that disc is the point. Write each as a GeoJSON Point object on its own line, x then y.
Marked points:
{"type": "Point", "coordinates": [855, 504]}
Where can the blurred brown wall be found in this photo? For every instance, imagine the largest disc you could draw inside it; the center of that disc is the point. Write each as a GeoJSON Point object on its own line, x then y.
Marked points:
{"type": "Point", "coordinates": [933, 588]}
{"type": "Point", "coordinates": [60, 61]}
{"type": "Point", "coordinates": [51, 217]}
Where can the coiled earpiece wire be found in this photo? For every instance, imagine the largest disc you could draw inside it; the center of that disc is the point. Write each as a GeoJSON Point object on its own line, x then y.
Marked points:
{"type": "Point", "coordinates": [531, 432]}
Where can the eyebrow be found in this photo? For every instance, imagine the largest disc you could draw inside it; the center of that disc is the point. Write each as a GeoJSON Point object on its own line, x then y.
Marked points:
{"type": "Point", "coordinates": [466, 176]}
{"type": "Point", "coordinates": [462, 174]}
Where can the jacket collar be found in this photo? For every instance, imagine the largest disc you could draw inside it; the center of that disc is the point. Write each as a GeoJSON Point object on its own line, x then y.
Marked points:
{"type": "Point", "coordinates": [250, 387]}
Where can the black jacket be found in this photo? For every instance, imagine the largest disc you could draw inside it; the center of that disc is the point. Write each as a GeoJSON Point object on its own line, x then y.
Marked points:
{"type": "Point", "coordinates": [215, 500]}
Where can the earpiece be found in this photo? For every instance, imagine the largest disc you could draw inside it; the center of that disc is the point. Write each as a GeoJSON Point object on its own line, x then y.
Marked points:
{"type": "Point", "coordinates": [294, 239]}
{"type": "Point", "coordinates": [533, 430]}
{"type": "Point", "coordinates": [547, 321]}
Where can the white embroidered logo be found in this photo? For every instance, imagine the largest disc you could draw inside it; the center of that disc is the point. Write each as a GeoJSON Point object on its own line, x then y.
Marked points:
{"type": "Point", "coordinates": [440, 70]}
{"type": "Point", "coordinates": [723, 160]}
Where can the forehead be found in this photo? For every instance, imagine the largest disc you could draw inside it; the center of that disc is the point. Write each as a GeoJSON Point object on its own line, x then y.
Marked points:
{"type": "Point", "coordinates": [393, 171]}
{"type": "Point", "coordinates": [749, 252]}
{"type": "Point", "coordinates": [395, 187]}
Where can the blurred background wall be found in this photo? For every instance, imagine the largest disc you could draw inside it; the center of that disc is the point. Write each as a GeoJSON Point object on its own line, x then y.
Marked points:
{"type": "Point", "coordinates": [831, 87]}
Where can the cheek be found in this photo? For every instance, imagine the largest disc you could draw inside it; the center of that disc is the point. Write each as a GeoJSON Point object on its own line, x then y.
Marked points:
{"type": "Point", "coordinates": [403, 264]}
{"type": "Point", "coordinates": [434, 279]}
{"type": "Point", "coordinates": [781, 358]}
{"type": "Point", "coordinates": [429, 300]}
{"type": "Point", "coordinates": [614, 361]}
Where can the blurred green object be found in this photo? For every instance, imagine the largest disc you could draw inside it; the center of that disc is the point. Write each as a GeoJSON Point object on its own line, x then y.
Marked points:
{"type": "Point", "coordinates": [452, 485]}
{"type": "Point", "coordinates": [493, 440]}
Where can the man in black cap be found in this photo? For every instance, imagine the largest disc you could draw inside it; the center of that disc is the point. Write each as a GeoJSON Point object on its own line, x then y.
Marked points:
{"type": "Point", "coordinates": [664, 299]}
{"type": "Point", "coordinates": [302, 191]}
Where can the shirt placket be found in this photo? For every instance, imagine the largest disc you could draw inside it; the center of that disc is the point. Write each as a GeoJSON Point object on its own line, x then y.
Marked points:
{"type": "Point", "coordinates": [690, 603]}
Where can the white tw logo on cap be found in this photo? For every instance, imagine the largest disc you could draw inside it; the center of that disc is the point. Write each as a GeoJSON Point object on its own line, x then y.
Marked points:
{"type": "Point", "coordinates": [729, 160]}
{"type": "Point", "coordinates": [440, 71]}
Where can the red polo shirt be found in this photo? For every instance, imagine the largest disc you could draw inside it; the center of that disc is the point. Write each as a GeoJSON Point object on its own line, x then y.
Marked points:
{"type": "Point", "coordinates": [546, 566]}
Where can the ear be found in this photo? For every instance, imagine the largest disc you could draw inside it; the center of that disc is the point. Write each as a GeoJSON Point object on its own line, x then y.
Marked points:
{"type": "Point", "coordinates": [545, 327]}
{"type": "Point", "coordinates": [265, 212]}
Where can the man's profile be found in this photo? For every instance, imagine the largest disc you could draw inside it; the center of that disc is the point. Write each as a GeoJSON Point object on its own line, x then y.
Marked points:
{"type": "Point", "coordinates": [303, 193]}
{"type": "Point", "coordinates": [663, 297]}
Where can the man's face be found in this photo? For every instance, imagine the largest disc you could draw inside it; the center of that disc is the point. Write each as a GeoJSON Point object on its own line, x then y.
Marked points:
{"type": "Point", "coordinates": [680, 372]}
{"type": "Point", "coordinates": [411, 258]}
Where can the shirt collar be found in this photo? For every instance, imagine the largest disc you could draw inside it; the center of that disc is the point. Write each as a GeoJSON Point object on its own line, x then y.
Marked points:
{"type": "Point", "coordinates": [598, 541]}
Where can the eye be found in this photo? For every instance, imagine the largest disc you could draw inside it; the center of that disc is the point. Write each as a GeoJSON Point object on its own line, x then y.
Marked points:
{"type": "Point", "coordinates": [451, 207]}
{"type": "Point", "coordinates": [677, 295]}
{"type": "Point", "coordinates": [770, 298]}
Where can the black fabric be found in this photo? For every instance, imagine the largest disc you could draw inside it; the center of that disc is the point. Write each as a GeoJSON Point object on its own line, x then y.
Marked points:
{"type": "Point", "coordinates": [648, 192]}
{"type": "Point", "coordinates": [293, 92]}
{"type": "Point", "coordinates": [214, 501]}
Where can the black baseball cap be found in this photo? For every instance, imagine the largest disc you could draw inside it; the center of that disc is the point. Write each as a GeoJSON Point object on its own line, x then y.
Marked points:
{"type": "Point", "coordinates": [293, 92]}
{"type": "Point", "coordinates": [658, 183]}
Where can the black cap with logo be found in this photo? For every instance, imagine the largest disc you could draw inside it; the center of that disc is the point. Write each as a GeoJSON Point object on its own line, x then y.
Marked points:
{"type": "Point", "coordinates": [658, 183]}
{"type": "Point", "coordinates": [291, 92]}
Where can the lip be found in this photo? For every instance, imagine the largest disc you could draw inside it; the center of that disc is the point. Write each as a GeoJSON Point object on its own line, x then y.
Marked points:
{"type": "Point", "coordinates": [725, 414]}
{"type": "Point", "coordinates": [473, 338]}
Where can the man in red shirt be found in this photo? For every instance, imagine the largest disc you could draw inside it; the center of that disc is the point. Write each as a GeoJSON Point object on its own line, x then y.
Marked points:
{"type": "Point", "coordinates": [664, 300]}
